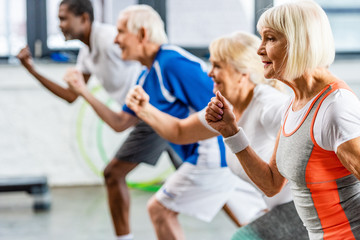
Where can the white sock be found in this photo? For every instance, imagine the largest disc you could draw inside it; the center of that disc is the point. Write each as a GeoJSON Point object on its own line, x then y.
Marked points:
{"type": "Point", "coordinates": [125, 237]}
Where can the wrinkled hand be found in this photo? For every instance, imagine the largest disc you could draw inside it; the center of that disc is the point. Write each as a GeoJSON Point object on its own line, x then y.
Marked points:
{"type": "Point", "coordinates": [137, 99]}
{"type": "Point", "coordinates": [75, 81]}
{"type": "Point", "coordinates": [220, 116]}
{"type": "Point", "coordinates": [25, 58]}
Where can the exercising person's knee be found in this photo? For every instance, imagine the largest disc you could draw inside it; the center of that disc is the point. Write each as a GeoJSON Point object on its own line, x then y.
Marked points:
{"type": "Point", "coordinates": [155, 209]}
{"type": "Point", "coordinates": [117, 170]}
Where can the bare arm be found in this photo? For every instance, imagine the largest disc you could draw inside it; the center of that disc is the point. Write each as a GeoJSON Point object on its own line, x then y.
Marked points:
{"type": "Point", "coordinates": [265, 175]}
{"type": "Point", "coordinates": [179, 131]}
{"type": "Point", "coordinates": [117, 121]}
{"type": "Point", "coordinates": [65, 93]}
{"type": "Point", "coordinates": [349, 155]}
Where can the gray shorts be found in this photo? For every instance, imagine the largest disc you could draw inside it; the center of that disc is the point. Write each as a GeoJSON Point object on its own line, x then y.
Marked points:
{"type": "Point", "coordinates": [144, 145]}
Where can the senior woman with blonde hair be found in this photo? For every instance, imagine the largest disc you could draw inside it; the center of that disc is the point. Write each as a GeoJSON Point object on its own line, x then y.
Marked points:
{"type": "Point", "coordinates": [318, 145]}
{"type": "Point", "coordinates": [238, 74]}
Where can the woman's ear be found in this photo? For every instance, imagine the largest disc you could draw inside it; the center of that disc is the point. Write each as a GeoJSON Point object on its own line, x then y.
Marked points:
{"type": "Point", "coordinates": [245, 76]}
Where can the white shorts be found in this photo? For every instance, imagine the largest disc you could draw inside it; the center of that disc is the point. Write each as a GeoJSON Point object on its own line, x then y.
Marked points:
{"type": "Point", "coordinates": [199, 192]}
{"type": "Point", "coordinates": [246, 203]}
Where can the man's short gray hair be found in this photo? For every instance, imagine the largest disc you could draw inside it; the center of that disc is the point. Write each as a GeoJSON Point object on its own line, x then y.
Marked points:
{"type": "Point", "coordinates": [139, 16]}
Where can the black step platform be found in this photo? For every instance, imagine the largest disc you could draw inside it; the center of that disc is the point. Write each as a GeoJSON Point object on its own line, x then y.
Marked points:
{"type": "Point", "coordinates": [35, 186]}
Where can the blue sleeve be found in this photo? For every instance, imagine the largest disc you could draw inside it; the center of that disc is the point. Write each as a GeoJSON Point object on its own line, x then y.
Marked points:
{"type": "Point", "coordinates": [189, 83]}
{"type": "Point", "coordinates": [128, 110]}
{"type": "Point", "coordinates": [125, 108]}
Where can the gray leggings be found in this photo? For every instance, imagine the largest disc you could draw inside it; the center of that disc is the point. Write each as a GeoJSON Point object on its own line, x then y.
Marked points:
{"type": "Point", "coordinates": [280, 223]}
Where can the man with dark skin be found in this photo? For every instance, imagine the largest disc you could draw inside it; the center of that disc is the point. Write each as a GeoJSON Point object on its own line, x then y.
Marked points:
{"type": "Point", "coordinates": [77, 22]}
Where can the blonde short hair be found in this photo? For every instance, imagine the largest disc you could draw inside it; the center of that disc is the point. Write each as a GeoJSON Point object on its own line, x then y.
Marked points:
{"type": "Point", "coordinates": [142, 15]}
{"type": "Point", "coordinates": [310, 43]}
{"type": "Point", "coordinates": [239, 49]}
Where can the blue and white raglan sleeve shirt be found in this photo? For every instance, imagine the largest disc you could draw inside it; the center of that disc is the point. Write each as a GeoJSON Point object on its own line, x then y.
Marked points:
{"type": "Point", "coordinates": [178, 84]}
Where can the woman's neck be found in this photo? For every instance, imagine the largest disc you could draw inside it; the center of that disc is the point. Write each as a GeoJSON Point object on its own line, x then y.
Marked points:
{"type": "Point", "coordinates": [309, 85]}
{"type": "Point", "coordinates": [243, 99]}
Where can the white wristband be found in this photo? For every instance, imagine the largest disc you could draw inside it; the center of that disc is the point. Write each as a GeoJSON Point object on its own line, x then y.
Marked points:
{"type": "Point", "coordinates": [237, 142]}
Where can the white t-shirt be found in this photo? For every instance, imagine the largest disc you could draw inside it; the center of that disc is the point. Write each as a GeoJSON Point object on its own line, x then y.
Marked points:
{"type": "Point", "coordinates": [337, 121]}
{"type": "Point", "coordinates": [261, 123]}
{"type": "Point", "coordinates": [104, 62]}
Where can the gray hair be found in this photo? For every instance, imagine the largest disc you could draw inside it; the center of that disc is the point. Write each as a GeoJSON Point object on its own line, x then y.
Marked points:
{"type": "Point", "coordinates": [139, 16]}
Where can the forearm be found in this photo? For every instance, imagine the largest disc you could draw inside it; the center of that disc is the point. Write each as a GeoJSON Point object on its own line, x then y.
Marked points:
{"type": "Point", "coordinates": [55, 88]}
{"type": "Point", "coordinates": [117, 121]}
{"type": "Point", "coordinates": [264, 175]}
{"type": "Point", "coordinates": [165, 125]}
{"type": "Point", "coordinates": [175, 130]}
